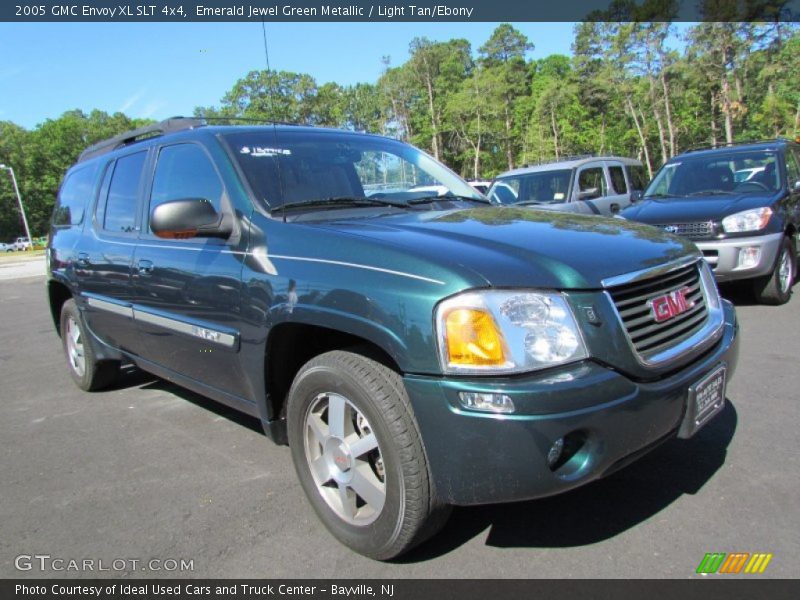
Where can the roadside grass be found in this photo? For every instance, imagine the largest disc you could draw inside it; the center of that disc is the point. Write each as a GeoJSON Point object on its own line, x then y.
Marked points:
{"type": "Point", "coordinates": [6, 257]}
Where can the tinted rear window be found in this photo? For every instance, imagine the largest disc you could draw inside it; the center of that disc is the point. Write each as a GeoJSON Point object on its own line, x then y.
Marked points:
{"type": "Point", "coordinates": [638, 177]}
{"type": "Point", "coordinates": [618, 180]}
{"type": "Point", "coordinates": [75, 194]}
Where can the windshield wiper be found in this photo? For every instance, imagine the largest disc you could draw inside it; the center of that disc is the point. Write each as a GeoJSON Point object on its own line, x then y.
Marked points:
{"type": "Point", "coordinates": [530, 202]}
{"type": "Point", "coordinates": [336, 202]}
{"type": "Point", "coordinates": [448, 196]}
{"type": "Point", "coordinates": [662, 196]}
{"type": "Point", "coordinates": [710, 192]}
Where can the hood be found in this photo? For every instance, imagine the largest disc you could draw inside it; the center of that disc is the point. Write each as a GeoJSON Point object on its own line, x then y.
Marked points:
{"type": "Point", "coordinates": [694, 209]}
{"type": "Point", "coordinates": [520, 247]}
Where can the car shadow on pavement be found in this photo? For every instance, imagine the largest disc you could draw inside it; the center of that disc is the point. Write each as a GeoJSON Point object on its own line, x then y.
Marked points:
{"type": "Point", "coordinates": [130, 377]}
{"type": "Point", "coordinates": [600, 510]}
{"type": "Point", "coordinates": [740, 294]}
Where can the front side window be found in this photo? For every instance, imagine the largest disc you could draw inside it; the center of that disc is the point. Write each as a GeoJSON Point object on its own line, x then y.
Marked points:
{"type": "Point", "coordinates": [792, 168]}
{"type": "Point", "coordinates": [123, 192]}
{"type": "Point", "coordinates": [593, 179]}
{"type": "Point", "coordinates": [75, 194]}
{"type": "Point", "coordinates": [185, 171]}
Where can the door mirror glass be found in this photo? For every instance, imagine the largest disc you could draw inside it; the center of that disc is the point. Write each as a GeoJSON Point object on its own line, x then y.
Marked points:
{"type": "Point", "coordinates": [187, 218]}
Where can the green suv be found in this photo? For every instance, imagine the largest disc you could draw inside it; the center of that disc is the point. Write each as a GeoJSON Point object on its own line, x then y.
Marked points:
{"type": "Point", "coordinates": [415, 350]}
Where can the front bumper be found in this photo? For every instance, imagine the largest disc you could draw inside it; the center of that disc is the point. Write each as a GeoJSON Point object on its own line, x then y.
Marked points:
{"type": "Point", "coordinates": [723, 256]}
{"type": "Point", "coordinates": [480, 458]}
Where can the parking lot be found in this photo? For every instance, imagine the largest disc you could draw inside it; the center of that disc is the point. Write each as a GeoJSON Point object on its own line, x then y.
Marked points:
{"type": "Point", "coordinates": [150, 471]}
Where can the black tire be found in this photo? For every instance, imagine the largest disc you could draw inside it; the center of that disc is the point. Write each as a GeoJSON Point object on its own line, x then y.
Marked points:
{"type": "Point", "coordinates": [409, 513]}
{"type": "Point", "coordinates": [94, 375]}
{"type": "Point", "coordinates": [773, 289]}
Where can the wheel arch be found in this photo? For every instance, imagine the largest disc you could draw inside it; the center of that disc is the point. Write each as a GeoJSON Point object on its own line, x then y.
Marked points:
{"type": "Point", "coordinates": [289, 346]}
{"type": "Point", "coordinates": [57, 293]}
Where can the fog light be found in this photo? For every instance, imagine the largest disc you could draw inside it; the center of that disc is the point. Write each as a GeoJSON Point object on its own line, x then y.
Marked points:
{"type": "Point", "coordinates": [749, 257]}
{"type": "Point", "coordinates": [486, 402]}
{"type": "Point", "coordinates": [555, 452]}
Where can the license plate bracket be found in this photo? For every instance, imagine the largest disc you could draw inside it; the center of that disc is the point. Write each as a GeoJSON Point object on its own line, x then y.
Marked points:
{"type": "Point", "coordinates": [705, 399]}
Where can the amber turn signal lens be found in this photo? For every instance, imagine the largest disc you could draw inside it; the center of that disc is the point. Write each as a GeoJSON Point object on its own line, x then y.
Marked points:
{"type": "Point", "coordinates": [473, 338]}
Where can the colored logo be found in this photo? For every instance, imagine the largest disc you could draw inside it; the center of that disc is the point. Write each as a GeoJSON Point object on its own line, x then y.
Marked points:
{"type": "Point", "coordinates": [734, 563]}
{"type": "Point", "coordinates": [670, 305]}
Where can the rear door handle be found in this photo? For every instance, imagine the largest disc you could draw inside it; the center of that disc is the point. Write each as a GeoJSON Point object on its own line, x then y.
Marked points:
{"type": "Point", "coordinates": [145, 267]}
{"type": "Point", "coordinates": [614, 208]}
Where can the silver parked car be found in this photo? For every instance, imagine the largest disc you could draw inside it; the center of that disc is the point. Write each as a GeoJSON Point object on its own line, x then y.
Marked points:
{"type": "Point", "coordinates": [589, 184]}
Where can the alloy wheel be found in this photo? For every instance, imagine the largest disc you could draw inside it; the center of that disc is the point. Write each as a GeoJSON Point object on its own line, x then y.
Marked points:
{"type": "Point", "coordinates": [75, 351]}
{"type": "Point", "coordinates": [345, 459]}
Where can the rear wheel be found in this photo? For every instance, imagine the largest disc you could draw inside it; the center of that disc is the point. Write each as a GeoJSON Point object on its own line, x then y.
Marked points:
{"type": "Point", "coordinates": [776, 288]}
{"type": "Point", "coordinates": [87, 372]}
{"type": "Point", "coordinates": [359, 457]}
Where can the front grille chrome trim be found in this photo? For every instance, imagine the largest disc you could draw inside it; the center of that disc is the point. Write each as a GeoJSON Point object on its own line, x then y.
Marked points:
{"type": "Point", "coordinates": [649, 273]}
{"type": "Point", "coordinates": [698, 341]}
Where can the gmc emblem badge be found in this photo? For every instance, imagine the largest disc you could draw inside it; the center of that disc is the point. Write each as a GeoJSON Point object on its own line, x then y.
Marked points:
{"type": "Point", "coordinates": [670, 305]}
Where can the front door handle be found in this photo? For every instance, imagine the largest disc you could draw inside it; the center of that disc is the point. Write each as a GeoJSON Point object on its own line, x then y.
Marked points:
{"type": "Point", "coordinates": [83, 259]}
{"type": "Point", "coordinates": [614, 208]}
{"type": "Point", "coordinates": [145, 267]}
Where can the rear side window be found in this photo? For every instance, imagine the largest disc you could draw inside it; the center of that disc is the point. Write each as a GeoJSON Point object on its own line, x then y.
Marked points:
{"type": "Point", "coordinates": [592, 178]}
{"type": "Point", "coordinates": [75, 194]}
{"type": "Point", "coordinates": [120, 208]}
{"type": "Point", "coordinates": [185, 171]}
{"type": "Point", "coordinates": [638, 177]}
{"type": "Point", "coordinates": [618, 180]}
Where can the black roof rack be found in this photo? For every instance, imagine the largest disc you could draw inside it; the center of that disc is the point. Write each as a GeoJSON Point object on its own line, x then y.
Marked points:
{"type": "Point", "coordinates": [737, 143]}
{"type": "Point", "coordinates": [129, 137]}
{"type": "Point", "coordinates": [570, 157]}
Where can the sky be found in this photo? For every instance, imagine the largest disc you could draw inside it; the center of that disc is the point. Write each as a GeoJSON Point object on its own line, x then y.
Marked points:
{"type": "Point", "coordinates": [159, 70]}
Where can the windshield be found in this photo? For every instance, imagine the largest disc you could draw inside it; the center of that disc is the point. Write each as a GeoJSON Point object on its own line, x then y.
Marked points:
{"type": "Point", "coordinates": [733, 172]}
{"type": "Point", "coordinates": [545, 187]}
{"type": "Point", "coordinates": [293, 167]}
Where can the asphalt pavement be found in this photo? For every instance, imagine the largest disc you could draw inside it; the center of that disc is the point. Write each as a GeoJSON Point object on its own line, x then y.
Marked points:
{"type": "Point", "coordinates": [148, 471]}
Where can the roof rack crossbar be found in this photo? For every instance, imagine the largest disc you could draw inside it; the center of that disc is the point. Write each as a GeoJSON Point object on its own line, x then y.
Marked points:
{"type": "Point", "coordinates": [736, 143]}
{"type": "Point", "coordinates": [570, 157]}
{"type": "Point", "coordinates": [129, 137]}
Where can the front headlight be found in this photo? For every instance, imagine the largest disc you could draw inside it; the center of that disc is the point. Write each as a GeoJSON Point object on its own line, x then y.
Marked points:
{"type": "Point", "coordinates": [754, 219]}
{"type": "Point", "coordinates": [492, 332]}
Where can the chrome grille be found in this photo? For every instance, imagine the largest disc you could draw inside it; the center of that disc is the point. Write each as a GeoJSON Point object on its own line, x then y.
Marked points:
{"type": "Point", "coordinates": [690, 230]}
{"type": "Point", "coordinates": [633, 303]}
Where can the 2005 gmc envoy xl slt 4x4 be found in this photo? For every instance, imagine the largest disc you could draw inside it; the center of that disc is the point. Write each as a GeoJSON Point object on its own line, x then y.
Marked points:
{"type": "Point", "coordinates": [415, 351]}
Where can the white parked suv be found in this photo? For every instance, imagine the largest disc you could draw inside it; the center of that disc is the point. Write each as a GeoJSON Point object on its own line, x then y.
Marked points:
{"type": "Point", "coordinates": [22, 243]}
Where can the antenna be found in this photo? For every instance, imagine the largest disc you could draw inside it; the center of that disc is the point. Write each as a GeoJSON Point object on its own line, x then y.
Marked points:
{"type": "Point", "coordinates": [272, 110]}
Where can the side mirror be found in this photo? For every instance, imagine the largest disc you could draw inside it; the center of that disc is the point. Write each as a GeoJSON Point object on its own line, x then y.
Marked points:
{"type": "Point", "coordinates": [188, 218]}
{"type": "Point", "coordinates": [589, 194]}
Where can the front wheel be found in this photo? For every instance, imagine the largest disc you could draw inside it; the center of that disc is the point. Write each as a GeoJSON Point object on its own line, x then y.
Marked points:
{"type": "Point", "coordinates": [359, 456]}
{"type": "Point", "coordinates": [776, 288]}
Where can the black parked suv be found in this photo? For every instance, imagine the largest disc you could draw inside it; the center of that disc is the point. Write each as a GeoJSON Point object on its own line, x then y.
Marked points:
{"type": "Point", "coordinates": [415, 350]}
{"type": "Point", "coordinates": [740, 205]}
